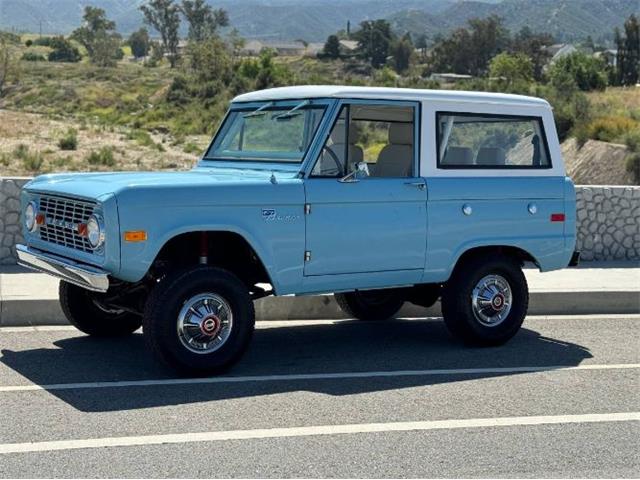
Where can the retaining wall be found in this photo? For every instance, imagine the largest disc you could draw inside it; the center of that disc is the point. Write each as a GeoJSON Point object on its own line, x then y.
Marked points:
{"type": "Point", "coordinates": [10, 227]}
{"type": "Point", "coordinates": [608, 221]}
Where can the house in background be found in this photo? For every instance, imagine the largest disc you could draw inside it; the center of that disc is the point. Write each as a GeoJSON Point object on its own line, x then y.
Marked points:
{"type": "Point", "coordinates": [559, 50]}
{"type": "Point", "coordinates": [348, 47]}
{"type": "Point", "coordinates": [449, 78]}
{"type": "Point", "coordinates": [610, 57]}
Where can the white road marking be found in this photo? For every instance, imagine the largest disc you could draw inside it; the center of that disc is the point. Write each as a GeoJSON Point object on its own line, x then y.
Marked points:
{"type": "Point", "coordinates": [313, 431]}
{"type": "Point", "coordinates": [313, 376]}
{"type": "Point", "coordinates": [298, 323]}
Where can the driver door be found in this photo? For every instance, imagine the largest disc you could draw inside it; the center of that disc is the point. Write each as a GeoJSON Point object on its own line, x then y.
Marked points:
{"type": "Point", "coordinates": [367, 219]}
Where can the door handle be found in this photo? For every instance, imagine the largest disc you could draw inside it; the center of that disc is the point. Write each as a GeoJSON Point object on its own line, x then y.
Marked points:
{"type": "Point", "coordinates": [418, 185]}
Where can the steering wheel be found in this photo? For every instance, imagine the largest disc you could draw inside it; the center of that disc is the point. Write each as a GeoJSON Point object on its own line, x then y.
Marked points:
{"type": "Point", "coordinates": [339, 167]}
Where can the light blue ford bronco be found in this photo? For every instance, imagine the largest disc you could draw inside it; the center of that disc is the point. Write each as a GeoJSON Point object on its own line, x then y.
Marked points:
{"type": "Point", "coordinates": [380, 196]}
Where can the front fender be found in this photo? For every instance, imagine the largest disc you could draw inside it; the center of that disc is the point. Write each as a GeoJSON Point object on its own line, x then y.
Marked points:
{"type": "Point", "coordinates": [279, 245]}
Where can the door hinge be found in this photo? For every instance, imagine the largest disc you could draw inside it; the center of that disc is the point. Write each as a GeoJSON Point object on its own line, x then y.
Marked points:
{"type": "Point", "coordinates": [307, 209]}
{"type": "Point", "coordinates": [307, 256]}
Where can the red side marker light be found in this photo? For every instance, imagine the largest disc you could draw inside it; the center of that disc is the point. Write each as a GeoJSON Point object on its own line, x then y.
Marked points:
{"type": "Point", "coordinates": [557, 217]}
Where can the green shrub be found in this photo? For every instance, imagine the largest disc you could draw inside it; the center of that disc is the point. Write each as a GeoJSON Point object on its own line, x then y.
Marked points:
{"type": "Point", "coordinates": [63, 51]}
{"type": "Point", "coordinates": [103, 157]}
{"type": "Point", "coordinates": [191, 148]}
{"type": "Point", "coordinates": [611, 128]}
{"type": "Point", "coordinates": [32, 161]}
{"type": "Point", "coordinates": [33, 57]}
{"type": "Point", "coordinates": [69, 141]}
{"type": "Point", "coordinates": [632, 165]}
{"type": "Point", "coordinates": [632, 140]}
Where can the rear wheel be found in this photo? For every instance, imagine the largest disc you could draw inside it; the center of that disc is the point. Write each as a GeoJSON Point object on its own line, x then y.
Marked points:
{"type": "Point", "coordinates": [486, 300]}
{"type": "Point", "coordinates": [85, 311]}
{"type": "Point", "coordinates": [370, 304]}
{"type": "Point", "coordinates": [199, 320]}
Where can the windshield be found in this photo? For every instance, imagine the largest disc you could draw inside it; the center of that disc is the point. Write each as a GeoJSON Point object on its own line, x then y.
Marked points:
{"type": "Point", "coordinates": [269, 133]}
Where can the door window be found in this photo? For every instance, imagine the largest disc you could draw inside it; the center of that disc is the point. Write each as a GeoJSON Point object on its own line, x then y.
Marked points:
{"type": "Point", "coordinates": [380, 136]}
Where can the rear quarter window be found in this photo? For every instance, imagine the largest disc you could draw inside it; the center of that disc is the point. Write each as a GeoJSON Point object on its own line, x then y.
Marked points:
{"type": "Point", "coordinates": [472, 140]}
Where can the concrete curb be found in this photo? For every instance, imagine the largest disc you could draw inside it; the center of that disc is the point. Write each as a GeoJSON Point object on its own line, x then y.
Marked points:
{"type": "Point", "coordinates": [30, 312]}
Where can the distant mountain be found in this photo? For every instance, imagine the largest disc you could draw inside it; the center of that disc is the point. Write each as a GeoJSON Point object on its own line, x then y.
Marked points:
{"type": "Point", "coordinates": [311, 20]}
{"type": "Point", "coordinates": [314, 20]}
{"type": "Point", "coordinates": [566, 20]}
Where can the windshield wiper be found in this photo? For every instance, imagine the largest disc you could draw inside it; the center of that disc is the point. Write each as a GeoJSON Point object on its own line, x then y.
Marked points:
{"type": "Point", "coordinates": [291, 113]}
{"type": "Point", "coordinates": [259, 111]}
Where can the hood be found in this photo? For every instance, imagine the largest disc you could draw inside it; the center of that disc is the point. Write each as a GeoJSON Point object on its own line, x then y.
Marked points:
{"type": "Point", "coordinates": [94, 186]}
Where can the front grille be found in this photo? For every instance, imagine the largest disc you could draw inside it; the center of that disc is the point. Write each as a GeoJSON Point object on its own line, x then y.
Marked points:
{"type": "Point", "coordinates": [62, 218]}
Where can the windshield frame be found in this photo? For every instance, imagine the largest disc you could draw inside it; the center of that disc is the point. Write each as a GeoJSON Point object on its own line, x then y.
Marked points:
{"type": "Point", "coordinates": [323, 104]}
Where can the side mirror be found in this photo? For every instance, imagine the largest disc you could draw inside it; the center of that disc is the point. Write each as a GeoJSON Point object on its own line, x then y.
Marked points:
{"type": "Point", "coordinates": [361, 170]}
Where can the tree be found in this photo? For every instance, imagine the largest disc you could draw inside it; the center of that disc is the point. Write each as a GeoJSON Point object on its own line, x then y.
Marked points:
{"type": "Point", "coordinates": [587, 72]}
{"type": "Point", "coordinates": [202, 19]}
{"type": "Point", "coordinates": [63, 51]}
{"type": "Point", "coordinates": [402, 51]}
{"type": "Point", "coordinates": [374, 41]}
{"type": "Point", "coordinates": [332, 47]}
{"type": "Point", "coordinates": [469, 50]}
{"type": "Point", "coordinates": [628, 57]}
{"type": "Point", "coordinates": [515, 67]}
{"type": "Point", "coordinates": [8, 65]}
{"type": "Point", "coordinates": [97, 34]}
{"type": "Point", "coordinates": [421, 44]}
{"type": "Point", "coordinates": [140, 43]}
{"type": "Point", "coordinates": [164, 17]}
{"type": "Point", "coordinates": [532, 45]}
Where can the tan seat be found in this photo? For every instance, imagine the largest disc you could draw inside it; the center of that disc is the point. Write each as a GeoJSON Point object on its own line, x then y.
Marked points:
{"type": "Point", "coordinates": [491, 156]}
{"type": "Point", "coordinates": [396, 158]}
{"type": "Point", "coordinates": [337, 146]}
{"type": "Point", "coordinates": [458, 156]}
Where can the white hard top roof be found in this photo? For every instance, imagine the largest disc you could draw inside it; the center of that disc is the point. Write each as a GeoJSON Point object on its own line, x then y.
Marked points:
{"type": "Point", "coordinates": [382, 93]}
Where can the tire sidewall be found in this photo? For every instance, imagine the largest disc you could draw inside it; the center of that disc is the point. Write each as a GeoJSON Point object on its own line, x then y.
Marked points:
{"type": "Point", "coordinates": [78, 306]}
{"type": "Point", "coordinates": [161, 319]}
{"type": "Point", "coordinates": [468, 279]}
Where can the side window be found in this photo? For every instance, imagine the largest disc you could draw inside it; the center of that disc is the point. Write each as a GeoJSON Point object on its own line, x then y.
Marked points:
{"type": "Point", "coordinates": [491, 141]}
{"type": "Point", "coordinates": [382, 136]}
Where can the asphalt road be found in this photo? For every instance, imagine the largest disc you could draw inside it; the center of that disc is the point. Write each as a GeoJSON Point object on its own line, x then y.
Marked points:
{"type": "Point", "coordinates": [329, 398]}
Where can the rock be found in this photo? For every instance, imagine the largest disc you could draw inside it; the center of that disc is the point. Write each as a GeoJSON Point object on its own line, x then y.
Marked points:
{"type": "Point", "coordinates": [581, 215]}
{"type": "Point", "coordinates": [618, 235]}
{"type": "Point", "coordinates": [627, 242]}
{"type": "Point", "coordinates": [630, 229]}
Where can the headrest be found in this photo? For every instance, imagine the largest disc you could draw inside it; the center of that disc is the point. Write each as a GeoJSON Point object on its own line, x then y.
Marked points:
{"type": "Point", "coordinates": [458, 156]}
{"type": "Point", "coordinates": [490, 156]}
{"type": "Point", "coordinates": [401, 133]}
{"type": "Point", "coordinates": [338, 134]}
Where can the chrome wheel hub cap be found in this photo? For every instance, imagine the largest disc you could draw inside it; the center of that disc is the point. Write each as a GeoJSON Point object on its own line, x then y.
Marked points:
{"type": "Point", "coordinates": [491, 300]}
{"type": "Point", "coordinates": [204, 323]}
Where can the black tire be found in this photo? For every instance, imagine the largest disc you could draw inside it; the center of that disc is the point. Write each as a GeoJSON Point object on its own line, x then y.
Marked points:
{"type": "Point", "coordinates": [160, 320]}
{"type": "Point", "coordinates": [457, 304]}
{"type": "Point", "coordinates": [370, 304]}
{"type": "Point", "coordinates": [82, 309]}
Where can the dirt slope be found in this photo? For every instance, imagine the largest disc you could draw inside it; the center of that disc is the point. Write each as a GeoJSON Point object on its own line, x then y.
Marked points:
{"type": "Point", "coordinates": [596, 163]}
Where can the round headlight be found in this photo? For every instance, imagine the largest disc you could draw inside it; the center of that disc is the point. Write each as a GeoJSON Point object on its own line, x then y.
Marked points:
{"type": "Point", "coordinates": [30, 216]}
{"type": "Point", "coordinates": [95, 231]}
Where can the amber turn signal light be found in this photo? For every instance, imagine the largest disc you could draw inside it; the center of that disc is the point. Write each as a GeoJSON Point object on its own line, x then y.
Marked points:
{"type": "Point", "coordinates": [135, 236]}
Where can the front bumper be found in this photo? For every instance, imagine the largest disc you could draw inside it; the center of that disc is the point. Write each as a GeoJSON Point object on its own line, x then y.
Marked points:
{"type": "Point", "coordinates": [80, 274]}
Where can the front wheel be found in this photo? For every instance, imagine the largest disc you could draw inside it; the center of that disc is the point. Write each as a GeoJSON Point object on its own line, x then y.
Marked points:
{"type": "Point", "coordinates": [486, 300]}
{"type": "Point", "coordinates": [199, 321]}
{"type": "Point", "coordinates": [87, 313]}
{"type": "Point", "coordinates": [371, 304]}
